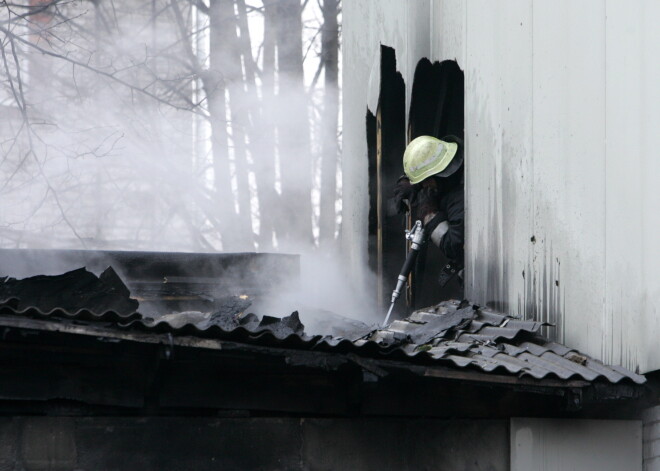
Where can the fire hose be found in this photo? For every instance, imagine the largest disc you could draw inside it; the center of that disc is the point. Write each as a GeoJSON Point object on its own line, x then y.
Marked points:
{"type": "Point", "coordinates": [416, 237]}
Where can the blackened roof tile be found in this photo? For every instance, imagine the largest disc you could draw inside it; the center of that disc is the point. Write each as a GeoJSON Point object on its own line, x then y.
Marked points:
{"type": "Point", "coordinates": [471, 338]}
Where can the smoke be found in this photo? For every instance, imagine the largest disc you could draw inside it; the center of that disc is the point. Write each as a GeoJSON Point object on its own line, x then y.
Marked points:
{"type": "Point", "coordinates": [326, 296]}
{"type": "Point", "coordinates": [112, 139]}
{"type": "Point", "coordinates": [94, 161]}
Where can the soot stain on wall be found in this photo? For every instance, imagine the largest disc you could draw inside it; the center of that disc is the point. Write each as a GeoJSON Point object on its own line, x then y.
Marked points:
{"type": "Point", "coordinates": [543, 298]}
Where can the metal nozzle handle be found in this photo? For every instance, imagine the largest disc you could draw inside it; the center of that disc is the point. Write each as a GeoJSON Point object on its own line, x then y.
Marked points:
{"type": "Point", "coordinates": [416, 236]}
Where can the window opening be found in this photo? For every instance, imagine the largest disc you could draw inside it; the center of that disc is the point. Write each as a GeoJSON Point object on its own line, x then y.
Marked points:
{"type": "Point", "coordinates": [436, 109]}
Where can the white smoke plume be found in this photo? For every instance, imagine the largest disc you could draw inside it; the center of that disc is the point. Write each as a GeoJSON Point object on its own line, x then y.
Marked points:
{"type": "Point", "coordinates": [110, 139]}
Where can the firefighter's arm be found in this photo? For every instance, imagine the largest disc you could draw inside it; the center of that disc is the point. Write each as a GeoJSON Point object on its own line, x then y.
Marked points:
{"type": "Point", "coordinates": [446, 228]}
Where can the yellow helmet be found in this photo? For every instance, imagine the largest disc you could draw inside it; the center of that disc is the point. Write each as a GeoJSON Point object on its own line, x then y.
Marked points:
{"type": "Point", "coordinates": [426, 156]}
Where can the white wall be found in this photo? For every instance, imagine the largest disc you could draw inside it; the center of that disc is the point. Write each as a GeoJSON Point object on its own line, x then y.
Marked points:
{"type": "Point", "coordinates": [570, 444]}
{"type": "Point", "coordinates": [535, 128]}
{"type": "Point", "coordinates": [562, 106]}
{"type": "Point", "coordinates": [560, 114]}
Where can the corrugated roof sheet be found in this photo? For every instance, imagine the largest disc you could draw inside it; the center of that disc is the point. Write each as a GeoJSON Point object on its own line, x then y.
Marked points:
{"type": "Point", "coordinates": [451, 333]}
{"type": "Point", "coordinates": [494, 342]}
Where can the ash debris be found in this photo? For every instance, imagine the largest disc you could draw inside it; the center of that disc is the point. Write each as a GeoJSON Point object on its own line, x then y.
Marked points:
{"type": "Point", "coordinates": [328, 323]}
{"type": "Point", "coordinates": [230, 316]}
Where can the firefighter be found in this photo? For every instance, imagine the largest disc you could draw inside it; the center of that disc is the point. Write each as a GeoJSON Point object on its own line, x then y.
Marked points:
{"type": "Point", "coordinates": [433, 186]}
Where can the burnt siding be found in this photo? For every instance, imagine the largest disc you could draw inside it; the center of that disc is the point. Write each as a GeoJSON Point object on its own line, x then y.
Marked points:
{"type": "Point", "coordinates": [172, 443]}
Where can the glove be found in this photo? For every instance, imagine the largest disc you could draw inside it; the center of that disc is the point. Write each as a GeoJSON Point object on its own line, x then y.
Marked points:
{"type": "Point", "coordinates": [425, 204]}
{"type": "Point", "coordinates": [403, 190]}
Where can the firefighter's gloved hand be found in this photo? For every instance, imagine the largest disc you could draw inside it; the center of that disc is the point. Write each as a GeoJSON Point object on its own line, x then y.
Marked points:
{"type": "Point", "coordinates": [403, 190]}
{"type": "Point", "coordinates": [425, 204]}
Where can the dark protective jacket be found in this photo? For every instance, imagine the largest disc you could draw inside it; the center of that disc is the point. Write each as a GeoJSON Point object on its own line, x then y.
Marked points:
{"type": "Point", "coordinates": [452, 210]}
{"type": "Point", "coordinates": [447, 229]}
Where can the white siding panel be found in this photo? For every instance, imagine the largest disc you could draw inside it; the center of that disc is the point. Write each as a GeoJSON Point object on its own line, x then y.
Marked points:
{"type": "Point", "coordinates": [448, 23]}
{"type": "Point", "coordinates": [498, 96]}
{"type": "Point", "coordinates": [633, 185]}
{"type": "Point", "coordinates": [560, 445]}
{"type": "Point", "coordinates": [356, 62]}
{"type": "Point", "coordinates": [649, 122]}
{"type": "Point", "coordinates": [623, 233]}
{"type": "Point", "coordinates": [418, 44]}
{"type": "Point", "coordinates": [569, 168]}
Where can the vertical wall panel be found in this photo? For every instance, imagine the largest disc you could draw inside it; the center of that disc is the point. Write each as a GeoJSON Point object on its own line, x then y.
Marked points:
{"type": "Point", "coordinates": [418, 43]}
{"type": "Point", "coordinates": [569, 168]}
{"type": "Point", "coordinates": [623, 235]}
{"type": "Point", "coordinates": [630, 319]}
{"type": "Point", "coordinates": [499, 153]}
{"type": "Point", "coordinates": [356, 63]}
{"type": "Point", "coordinates": [559, 445]}
{"type": "Point", "coordinates": [447, 30]}
{"type": "Point", "coordinates": [649, 121]}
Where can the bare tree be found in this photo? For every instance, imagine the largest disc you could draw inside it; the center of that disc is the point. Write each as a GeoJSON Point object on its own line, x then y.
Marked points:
{"type": "Point", "coordinates": [295, 222]}
{"type": "Point", "coordinates": [329, 120]}
{"type": "Point", "coordinates": [112, 86]}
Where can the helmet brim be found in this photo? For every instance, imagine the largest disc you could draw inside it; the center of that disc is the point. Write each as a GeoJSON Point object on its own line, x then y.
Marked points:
{"type": "Point", "coordinates": [457, 161]}
{"type": "Point", "coordinates": [454, 165]}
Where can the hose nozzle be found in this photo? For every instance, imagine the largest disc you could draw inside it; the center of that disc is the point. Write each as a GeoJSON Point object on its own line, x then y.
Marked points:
{"type": "Point", "coordinates": [416, 237]}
